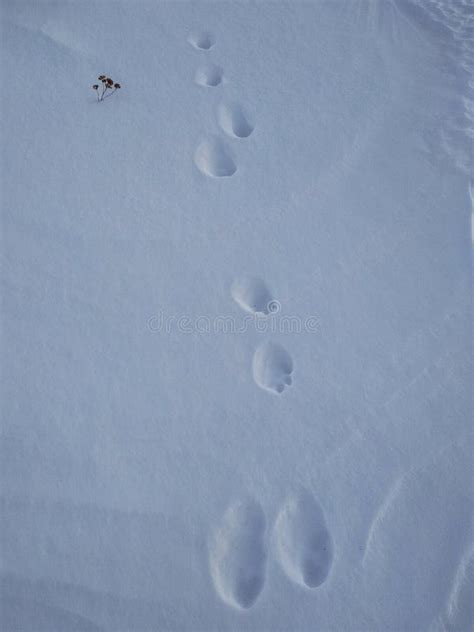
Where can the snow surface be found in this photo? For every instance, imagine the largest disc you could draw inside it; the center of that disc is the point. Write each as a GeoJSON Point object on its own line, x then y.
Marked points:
{"type": "Point", "coordinates": [178, 453]}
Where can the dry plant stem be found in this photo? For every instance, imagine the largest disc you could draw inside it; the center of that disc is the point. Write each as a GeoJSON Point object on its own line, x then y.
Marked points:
{"type": "Point", "coordinates": [110, 93]}
{"type": "Point", "coordinates": [104, 90]}
{"type": "Point", "coordinates": [108, 88]}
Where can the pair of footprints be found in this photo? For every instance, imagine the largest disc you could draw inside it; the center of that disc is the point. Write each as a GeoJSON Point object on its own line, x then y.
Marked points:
{"type": "Point", "coordinates": [272, 365]}
{"type": "Point", "coordinates": [213, 157]}
{"type": "Point", "coordinates": [238, 549]}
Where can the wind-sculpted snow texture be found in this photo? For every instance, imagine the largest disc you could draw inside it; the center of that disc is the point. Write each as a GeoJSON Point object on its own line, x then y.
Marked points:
{"type": "Point", "coordinates": [233, 469]}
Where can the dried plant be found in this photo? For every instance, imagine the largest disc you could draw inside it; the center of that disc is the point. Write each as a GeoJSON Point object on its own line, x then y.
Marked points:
{"type": "Point", "coordinates": [107, 89]}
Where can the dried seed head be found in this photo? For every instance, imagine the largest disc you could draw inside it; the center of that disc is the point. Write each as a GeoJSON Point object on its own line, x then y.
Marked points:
{"type": "Point", "coordinates": [117, 85]}
{"type": "Point", "coordinates": [109, 81]}
{"type": "Point", "coordinates": [95, 87]}
{"type": "Point", "coordinates": [101, 77]}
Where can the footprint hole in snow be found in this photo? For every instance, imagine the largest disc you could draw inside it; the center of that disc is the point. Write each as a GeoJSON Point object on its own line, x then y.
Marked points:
{"type": "Point", "coordinates": [209, 76]}
{"type": "Point", "coordinates": [304, 544]}
{"type": "Point", "coordinates": [235, 120]}
{"type": "Point", "coordinates": [272, 366]}
{"type": "Point", "coordinates": [238, 555]}
{"type": "Point", "coordinates": [214, 159]}
{"type": "Point", "coordinates": [202, 40]}
{"type": "Point", "coordinates": [253, 295]}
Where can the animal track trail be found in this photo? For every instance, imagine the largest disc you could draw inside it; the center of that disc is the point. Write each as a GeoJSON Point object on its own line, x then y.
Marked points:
{"type": "Point", "coordinates": [252, 295]}
{"type": "Point", "coordinates": [202, 40]}
{"type": "Point", "coordinates": [209, 76]}
{"type": "Point", "coordinates": [234, 120]}
{"type": "Point", "coordinates": [272, 367]}
{"type": "Point", "coordinates": [214, 159]}
{"type": "Point", "coordinates": [303, 542]}
{"type": "Point", "coordinates": [238, 555]}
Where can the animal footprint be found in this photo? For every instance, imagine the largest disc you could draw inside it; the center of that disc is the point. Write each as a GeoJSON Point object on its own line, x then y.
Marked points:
{"type": "Point", "coordinates": [303, 542]}
{"type": "Point", "coordinates": [253, 295]}
{"type": "Point", "coordinates": [209, 76]}
{"type": "Point", "coordinates": [272, 367]}
{"type": "Point", "coordinates": [238, 554]}
{"type": "Point", "coordinates": [213, 158]}
{"type": "Point", "coordinates": [203, 40]}
{"type": "Point", "coordinates": [234, 120]}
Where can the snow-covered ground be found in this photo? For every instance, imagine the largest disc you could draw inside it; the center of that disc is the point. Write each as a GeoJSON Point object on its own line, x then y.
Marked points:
{"type": "Point", "coordinates": [236, 316]}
